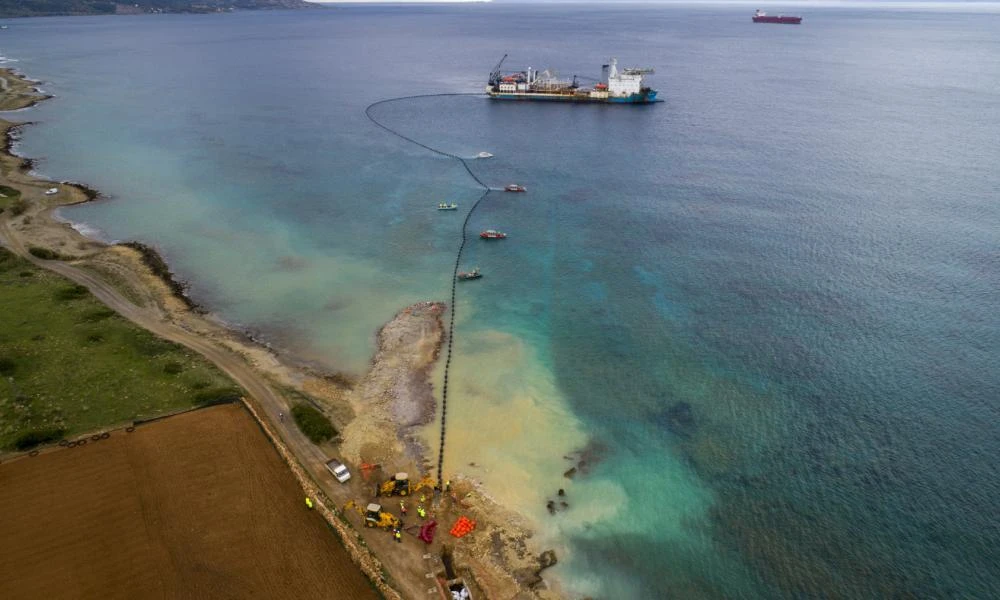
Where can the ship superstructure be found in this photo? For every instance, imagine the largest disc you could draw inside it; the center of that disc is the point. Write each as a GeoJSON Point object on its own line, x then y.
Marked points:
{"type": "Point", "coordinates": [624, 86]}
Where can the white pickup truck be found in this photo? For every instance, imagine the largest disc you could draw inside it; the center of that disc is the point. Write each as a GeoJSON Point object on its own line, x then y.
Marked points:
{"type": "Point", "coordinates": [338, 469]}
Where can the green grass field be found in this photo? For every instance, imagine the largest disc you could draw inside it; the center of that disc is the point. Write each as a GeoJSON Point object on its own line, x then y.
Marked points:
{"type": "Point", "coordinates": [70, 365]}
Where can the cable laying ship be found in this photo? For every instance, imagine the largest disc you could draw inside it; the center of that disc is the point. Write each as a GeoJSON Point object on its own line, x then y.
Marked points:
{"type": "Point", "coordinates": [618, 87]}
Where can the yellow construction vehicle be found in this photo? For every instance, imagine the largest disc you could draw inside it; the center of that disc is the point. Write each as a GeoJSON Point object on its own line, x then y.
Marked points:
{"type": "Point", "coordinates": [399, 485]}
{"type": "Point", "coordinates": [376, 517]}
{"type": "Point", "coordinates": [427, 483]}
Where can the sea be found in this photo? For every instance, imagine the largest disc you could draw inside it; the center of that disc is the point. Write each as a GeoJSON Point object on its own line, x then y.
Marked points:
{"type": "Point", "coordinates": [760, 319]}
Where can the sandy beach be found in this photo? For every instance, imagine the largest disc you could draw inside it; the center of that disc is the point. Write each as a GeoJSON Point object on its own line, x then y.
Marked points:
{"type": "Point", "coordinates": [379, 416]}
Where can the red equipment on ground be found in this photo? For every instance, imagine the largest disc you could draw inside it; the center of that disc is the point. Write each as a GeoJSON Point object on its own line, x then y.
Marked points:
{"type": "Point", "coordinates": [463, 526]}
{"type": "Point", "coordinates": [427, 531]}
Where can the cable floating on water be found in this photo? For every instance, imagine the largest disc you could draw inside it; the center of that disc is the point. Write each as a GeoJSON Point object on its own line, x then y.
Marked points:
{"type": "Point", "coordinates": [458, 256]}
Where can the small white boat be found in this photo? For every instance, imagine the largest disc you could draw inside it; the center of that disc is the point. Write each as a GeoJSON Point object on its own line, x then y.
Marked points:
{"type": "Point", "coordinates": [467, 275]}
{"type": "Point", "coordinates": [484, 155]}
{"type": "Point", "coordinates": [443, 206]}
{"type": "Point", "coordinates": [51, 191]}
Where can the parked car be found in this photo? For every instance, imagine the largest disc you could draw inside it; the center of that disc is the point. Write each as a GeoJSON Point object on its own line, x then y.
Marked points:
{"type": "Point", "coordinates": [338, 469]}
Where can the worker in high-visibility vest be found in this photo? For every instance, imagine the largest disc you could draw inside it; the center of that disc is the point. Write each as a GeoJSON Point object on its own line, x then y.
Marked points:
{"type": "Point", "coordinates": [398, 536]}
{"type": "Point", "coordinates": [309, 502]}
{"type": "Point", "coordinates": [421, 512]}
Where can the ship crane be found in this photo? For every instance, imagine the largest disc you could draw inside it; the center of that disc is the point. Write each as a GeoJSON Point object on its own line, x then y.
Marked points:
{"type": "Point", "coordinates": [638, 71]}
{"type": "Point", "coordinates": [495, 74]}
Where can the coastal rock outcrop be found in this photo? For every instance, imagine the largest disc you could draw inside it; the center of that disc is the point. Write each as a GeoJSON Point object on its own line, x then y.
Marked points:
{"type": "Point", "coordinates": [396, 391]}
{"type": "Point", "coordinates": [531, 577]}
{"type": "Point", "coordinates": [585, 458]}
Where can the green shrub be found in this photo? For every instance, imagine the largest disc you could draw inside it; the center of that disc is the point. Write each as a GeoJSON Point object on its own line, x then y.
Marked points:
{"type": "Point", "coordinates": [8, 260]}
{"type": "Point", "coordinates": [13, 199]}
{"type": "Point", "coordinates": [313, 423]}
{"type": "Point", "coordinates": [148, 344]}
{"type": "Point", "coordinates": [44, 253]}
{"type": "Point", "coordinates": [96, 314]}
{"type": "Point", "coordinates": [217, 395]}
{"type": "Point", "coordinates": [7, 365]}
{"type": "Point", "coordinates": [71, 292]}
{"type": "Point", "coordinates": [172, 368]}
{"type": "Point", "coordinates": [17, 207]}
{"type": "Point", "coordinates": [35, 437]}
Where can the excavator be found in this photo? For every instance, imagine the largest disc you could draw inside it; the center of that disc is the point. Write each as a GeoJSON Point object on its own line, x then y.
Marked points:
{"type": "Point", "coordinates": [399, 485]}
{"type": "Point", "coordinates": [376, 517]}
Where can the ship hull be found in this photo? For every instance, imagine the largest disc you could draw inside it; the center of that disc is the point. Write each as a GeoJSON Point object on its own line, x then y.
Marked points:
{"type": "Point", "coordinates": [648, 97]}
{"type": "Point", "coordinates": [780, 20]}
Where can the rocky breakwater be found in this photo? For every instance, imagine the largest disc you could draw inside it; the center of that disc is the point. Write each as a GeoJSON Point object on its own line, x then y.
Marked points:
{"type": "Point", "coordinates": [395, 396]}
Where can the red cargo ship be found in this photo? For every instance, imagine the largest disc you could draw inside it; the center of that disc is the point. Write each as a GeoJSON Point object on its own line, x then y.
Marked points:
{"type": "Point", "coordinates": [493, 234]}
{"type": "Point", "coordinates": [762, 17]}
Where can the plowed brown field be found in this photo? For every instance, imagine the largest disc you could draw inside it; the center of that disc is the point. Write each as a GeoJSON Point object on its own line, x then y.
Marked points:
{"type": "Point", "coordinates": [194, 506]}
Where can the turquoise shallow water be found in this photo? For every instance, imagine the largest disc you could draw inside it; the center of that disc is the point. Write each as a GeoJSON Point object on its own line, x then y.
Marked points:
{"type": "Point", "coordinates": [767, 305]}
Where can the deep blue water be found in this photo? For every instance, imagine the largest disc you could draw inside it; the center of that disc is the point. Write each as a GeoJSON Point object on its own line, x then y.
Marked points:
{"type": "Point", "coordinates": [770, 301]}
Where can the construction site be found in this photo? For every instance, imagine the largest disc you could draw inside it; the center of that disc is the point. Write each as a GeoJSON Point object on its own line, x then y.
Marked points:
{"type": "Point", "coordinates": [440, 537]}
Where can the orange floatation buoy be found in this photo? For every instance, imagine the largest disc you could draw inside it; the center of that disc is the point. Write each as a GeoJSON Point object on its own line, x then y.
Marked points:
{"type": "Point", "coordinates": [463, 526]}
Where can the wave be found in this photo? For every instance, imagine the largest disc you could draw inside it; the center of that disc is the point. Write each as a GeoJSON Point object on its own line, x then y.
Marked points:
{"type": "Point", "coordinates": [86, 229]}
